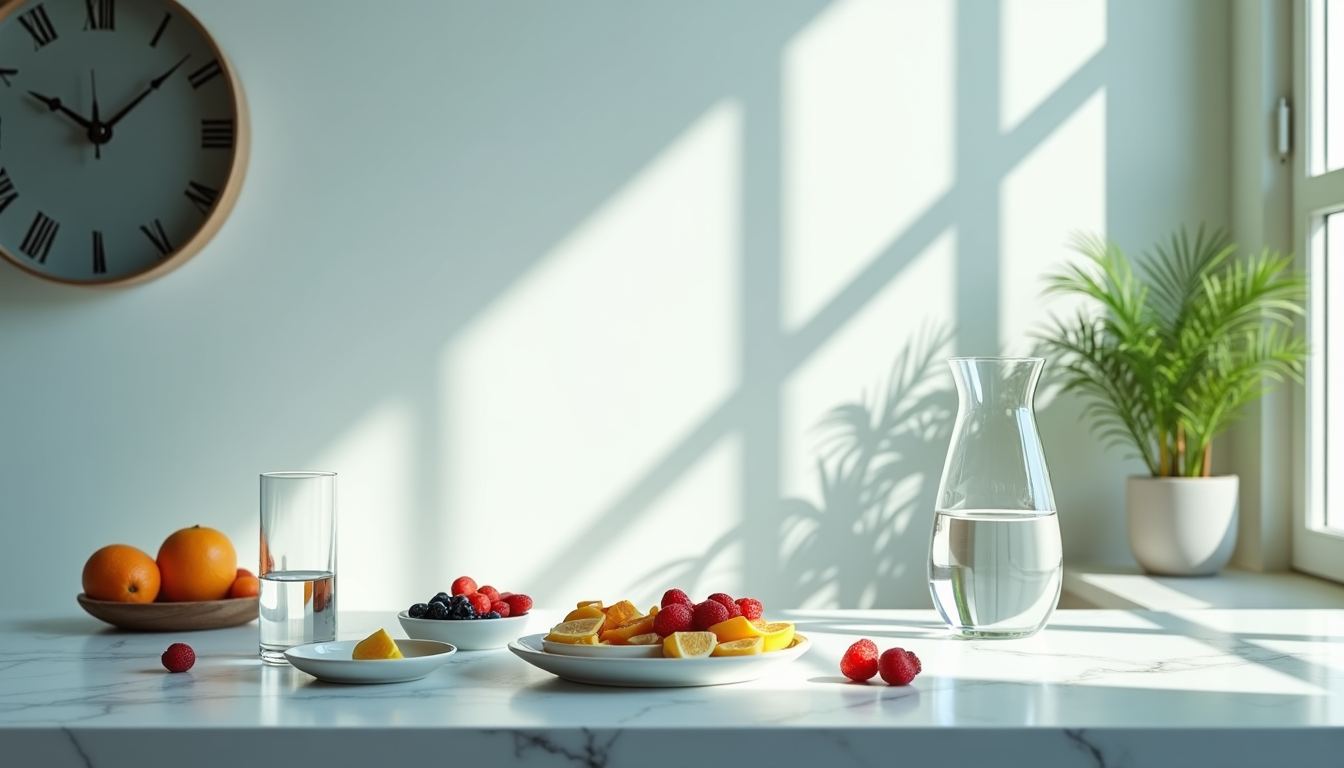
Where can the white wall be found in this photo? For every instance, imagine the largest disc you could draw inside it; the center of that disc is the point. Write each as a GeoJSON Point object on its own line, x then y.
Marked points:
{"type": "Point", "coordinates": [563, 290]}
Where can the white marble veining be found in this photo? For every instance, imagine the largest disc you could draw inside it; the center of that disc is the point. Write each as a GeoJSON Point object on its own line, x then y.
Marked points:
{"type": "Point", "coordinates": [1096, 688]}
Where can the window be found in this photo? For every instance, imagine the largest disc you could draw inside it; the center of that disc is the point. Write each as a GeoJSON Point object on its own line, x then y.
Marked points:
{"type": "Point", "coordinates": [1318, 207]}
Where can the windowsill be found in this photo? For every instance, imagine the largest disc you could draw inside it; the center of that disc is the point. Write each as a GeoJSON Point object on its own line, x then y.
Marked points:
{"type": "Point", "coordinates": [1129, 588]}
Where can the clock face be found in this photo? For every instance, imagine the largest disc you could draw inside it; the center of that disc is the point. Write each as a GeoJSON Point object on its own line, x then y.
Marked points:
{"type": "Point", "coordinates": [122, 138]}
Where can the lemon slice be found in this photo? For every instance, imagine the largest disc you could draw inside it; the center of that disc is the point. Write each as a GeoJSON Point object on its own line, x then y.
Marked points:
{"type": "Point", "coordinates": [689, 645]}
{"type": "Point", "coordinates": [747, 646]}
{"type": "Point", "coordinates": [648, 638]}
{"type": "Point", "coordinates": [576, 632]}
{"type": "Point", "coordinates": [379, 645]}
{"type": "Point", "coordinates": [778, 635]}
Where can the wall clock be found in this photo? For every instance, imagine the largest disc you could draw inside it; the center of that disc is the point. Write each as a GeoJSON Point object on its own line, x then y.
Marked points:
{"type": "Point", "coordinates": [123, 138]}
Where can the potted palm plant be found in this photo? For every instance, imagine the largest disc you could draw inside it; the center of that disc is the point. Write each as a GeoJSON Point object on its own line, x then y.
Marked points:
{"type": "Point", "coordinates": [1183, 339]}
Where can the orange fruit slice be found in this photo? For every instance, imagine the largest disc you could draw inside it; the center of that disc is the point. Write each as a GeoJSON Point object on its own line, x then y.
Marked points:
{"type": "Point", "coordinates": [121, 573]}
{"type": "Point", "coordinates": [379, 645]}
{"type": "Point", "coordinates": [650, 638]}
{"type": "Point", "coordinates": [778, 635]}
{"type": "Point", "coordinates": [747, 646]}
{"type": "Point", "coordinates": [620, 613]}
{"type": "Point", "coordinates": [584, 603]}
{"type": "Point", "coordinates": [621, 635]}
{"type": "Point", "coordinates": [586, 612]}
{"type": "Point", "coordinates": [689, 645]}
{"type": "Point", "coordinates": [736, 628]}
{"type": "Point", "coordinates": [576, 632]}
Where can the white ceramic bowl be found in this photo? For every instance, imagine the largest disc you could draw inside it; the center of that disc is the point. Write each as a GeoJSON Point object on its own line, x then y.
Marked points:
{"type": "Point", "coordinates": [467, 635]}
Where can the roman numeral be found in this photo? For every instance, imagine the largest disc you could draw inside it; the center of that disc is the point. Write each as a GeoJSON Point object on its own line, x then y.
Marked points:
{"type": "Point", "coordinates": [216, 134]}
{"type": "Point", "coordinates": [7, 192]}
{"type": "Point", "coordinates": [99, 255]}
{"type": "Point", "coordinates": [205, 74]}
{"type": "Point", "coordinates": [201, 196]}
{"type": "Point", "coordinates": [158, 237]}
{"type": "Point", "coordinates": [154, 43]}
{"type": "Point", "coordinates": [38, 24]}
{"type": "Point", "coordinates": [41, 234]}
{"type": "Point", "coordinates": [100, 14]}
{"type": "Point", "coordinates": [5, 75]}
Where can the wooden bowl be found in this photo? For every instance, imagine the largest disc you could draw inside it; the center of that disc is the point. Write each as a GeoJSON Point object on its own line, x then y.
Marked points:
{"type": "Point", "coordinates": [172, 617]}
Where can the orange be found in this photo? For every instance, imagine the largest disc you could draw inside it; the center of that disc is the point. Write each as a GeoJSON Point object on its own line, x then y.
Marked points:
{"type": "Point", "coordinates": [379, 645]}
{"type": "Point", "coordinates": [586, 612]}
{"type": "Point", "coordinates": [621, 635]}
{"type": "Point", "coordinates": [689, 645]}
{"type": "Point", "coordinates": [736, 628]}
{"type": "Point", "coordinates": [197, 563]}
{"type": "Point", "coordinates": [620, 613]}
{"type": "Point", "coordinates": [245, 585]}
{"type": "Point", "coordinates": [121, 573]}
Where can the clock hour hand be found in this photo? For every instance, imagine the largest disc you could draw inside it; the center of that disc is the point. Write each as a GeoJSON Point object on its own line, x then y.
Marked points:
{"type": "Point", "coordinates": [153, 86]}
{"type": "Point", "coordinates": [55, 105]}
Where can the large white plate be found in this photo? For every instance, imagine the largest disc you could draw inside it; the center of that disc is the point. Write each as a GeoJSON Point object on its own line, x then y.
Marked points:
{"type": "Point", "coordinates": [331, 661]}
{"type": "Point", "coordinates": [656, 673]}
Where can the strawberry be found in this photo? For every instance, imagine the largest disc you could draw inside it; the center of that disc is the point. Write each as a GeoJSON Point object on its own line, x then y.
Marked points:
{"type": "Point", "coordinates": [489, 592]}
{"type": "Point", "coordinates": [502, 608]}
{"type": "Point", "coordinates": [676, 596]}
{"type": "Point", "coordinates": [707, 614]}
{"type": "Point", "coordinates": [860, 661]}
{"type": "Point", "coordinates": [463, 585]}
{"type": "Point", "coordinates": [898, 666]}
{"type": "Point", "coordinates": [518, 604]}
{"type": "Point", "coordinates": [178, 658]}
{"type": "Point", "coordinates": [672, 618]}
{"type": "Point", "coordinates": [480, 603]}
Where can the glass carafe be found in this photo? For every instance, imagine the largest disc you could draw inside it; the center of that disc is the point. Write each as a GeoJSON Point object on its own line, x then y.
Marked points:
{"type": "Point", "coordinates": [995, 561]}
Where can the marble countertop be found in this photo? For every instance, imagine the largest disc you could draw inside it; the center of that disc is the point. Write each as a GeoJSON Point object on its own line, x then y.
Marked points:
{"type": "Point", "coordinates": [1095, 688]}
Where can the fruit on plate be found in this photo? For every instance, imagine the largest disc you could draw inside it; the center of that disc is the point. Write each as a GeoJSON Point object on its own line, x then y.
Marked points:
{"type": "Point", "coordinates": [689, 645]}
{"type": "Point", "coordinates": [778, 635]}
{"type": "Point", "coordinates": [379, 645]}
{"type": "Point", "coordinates": [197, 563]}
{"type": "Point", "coordinates": [121, 573]}
{"type": "Point", "coordinates": [747, 646]}
{"type": "Point", "coordinates": [469, 601]}
{"type": "Point", "coordinates": [178, 658]}
{"type": "Point", "coordinates": [576, 632]}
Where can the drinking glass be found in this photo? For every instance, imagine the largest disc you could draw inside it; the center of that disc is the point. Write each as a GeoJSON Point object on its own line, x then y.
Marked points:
{"type": "Point", "coordinates": [995, 560]}
{"type": "Point", "coordinates": [298, 561]}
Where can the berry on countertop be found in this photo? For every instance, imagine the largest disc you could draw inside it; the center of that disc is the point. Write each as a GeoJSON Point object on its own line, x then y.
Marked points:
{"type": "Point", "coordinates": [676, 596]}
{"type": "Point", "coordinates": [675, 617]}
{"type": "Point", "coordinates": [479, 602]}
{"type": "Point", "coordinates": [437, 611]}
{"type": "Point", "coordinates": [898, 666]}
{"type": "Point", "coordinates": [502, 608]}
{"type": "Point", "coordinates": [750, 607]}
{"type": "Point", "coordinates": [417, 611]}
{"type": "Point", "coordinates": [860, 661]}
{"type": "Point", "coordinates": [706, 615]}
{"type": "Point", "coordinates": [178, 658]}
{"type": "Point", "coordinates": [464, 585]}
{"type": "Point", "coordinates": [489, 592]}
{"type": "Point", "coordinates": [518, 604]}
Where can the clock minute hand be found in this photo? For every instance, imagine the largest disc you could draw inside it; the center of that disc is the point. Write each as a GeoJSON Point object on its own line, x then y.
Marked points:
{"type": "Point", "coordinates": [55, 105]}
{"type": "Point", "coordinates": [153, 86]}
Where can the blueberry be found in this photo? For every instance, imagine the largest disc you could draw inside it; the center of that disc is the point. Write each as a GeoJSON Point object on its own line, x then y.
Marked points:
{"type": "Point", "coordinates": [417, 610]}
{"type": "Point", "coordinates": [436, 611]}
{"type": "Point", "coordinates": [464, 611]}
{"type": "Point", "coordinates": [491, 615]}
{"type": "Point", "coordinates": [442, 597]}
{"type": "Point", "coordinates": [460, 600]}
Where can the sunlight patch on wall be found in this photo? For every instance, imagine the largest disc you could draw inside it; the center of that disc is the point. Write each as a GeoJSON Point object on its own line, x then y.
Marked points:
{"type": "Point", "coordinates": [1043, 42]}
{"type": "Point", "coordinates": [869, 89]}
{"type": "Point", "coordinates": [1056, 192]}
{"type": "Point", "coordinates": [375, 517]}
{"type": "Point", "coordinates": [567, 393]}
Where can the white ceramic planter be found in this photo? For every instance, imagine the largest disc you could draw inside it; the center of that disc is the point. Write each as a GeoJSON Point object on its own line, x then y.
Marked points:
{"type": "Point", "coordinates": [1182, 526]}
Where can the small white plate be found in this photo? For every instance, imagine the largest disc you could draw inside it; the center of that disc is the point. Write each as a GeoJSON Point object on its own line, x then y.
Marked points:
{"type": "Point", "coordinates": [331, 661]}
{"type": "Point", "coordinates": [603, 651]}
{"type": "Point", "coordinates": [656, 673]}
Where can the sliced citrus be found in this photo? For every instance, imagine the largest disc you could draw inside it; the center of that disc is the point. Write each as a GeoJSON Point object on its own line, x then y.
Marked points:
{"type": "Point", "coordinates": [689, 645]}
{"type": "Point", "coordinates": [649, 638]}
{"type": "Point", "coordinates": [379, 645]}
{"type": "Point", "coordinates": [736, 628]}
{"type": "Point", "coordinates": [747, 646]}
{"type": "Point", "coordinates": [583, 603]}
{"type": "Point", "coordinates": [620, 613]}
{"type": "Point", "coordinates": [621, 635]}
{"type": "Point", "coordinates": [576, 632]}
{"type": "Point", "coordinates": [760, 623]}
{"type": "Point", "coordinates": [778, 635]}
{"type": "Point", "coordinates": [586, 612]}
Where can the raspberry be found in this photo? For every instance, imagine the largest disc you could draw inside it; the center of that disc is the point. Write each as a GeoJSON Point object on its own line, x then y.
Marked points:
{"type": "Point", "coordinates": [898, 666]}
{"type": "Point", "coordinates": [672, 618]}
{"type": "Point", "coordinates": [489, 592]}
{"type": "Point", "coordinates": [502, 608]}
{"type": "Point", "coordinates": [672, 596]}
{"type": "Point", "coordinates": [464, 585]}
{"type": "Point", "coordinates": [178, 658]}
{"type": "Point", "coordinates": [706, 615]}
{"type": "Point", "coordinates": [860, 661]}
{"type": "Point", "coordinates": [750, 607]}
{"type": "Point", "coordinates": [479, 602]}
{"type": "Point", "coordinates": [518, 604]}
{"type": "Point", "coordinates": [720, 597]}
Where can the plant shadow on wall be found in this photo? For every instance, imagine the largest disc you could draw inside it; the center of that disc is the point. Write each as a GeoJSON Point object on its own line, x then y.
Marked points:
{"type": "Point", "coordinates": [878, 468]}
